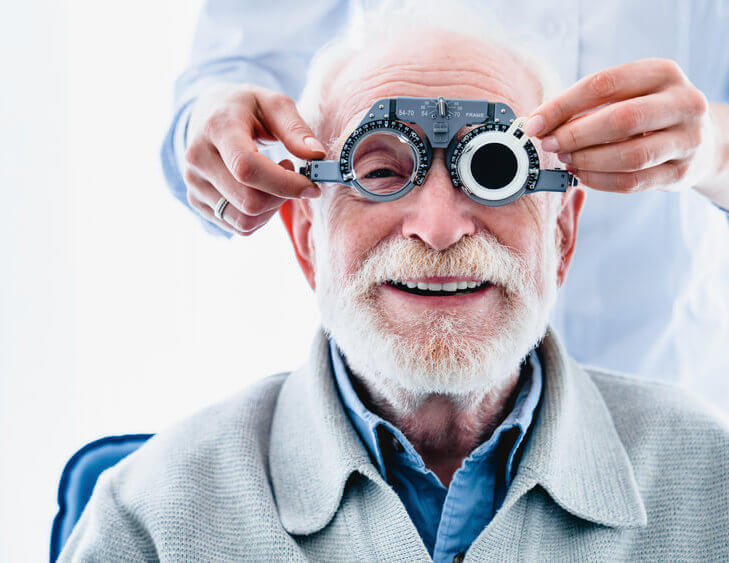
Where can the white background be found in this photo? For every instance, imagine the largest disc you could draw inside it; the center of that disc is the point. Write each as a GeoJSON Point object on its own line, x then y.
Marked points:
{"type": "Point", "coordinates": [118, 313]}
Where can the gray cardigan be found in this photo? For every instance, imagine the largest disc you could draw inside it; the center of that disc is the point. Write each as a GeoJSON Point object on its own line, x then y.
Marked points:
{"type": "Point", "coordinates": [615, 469]}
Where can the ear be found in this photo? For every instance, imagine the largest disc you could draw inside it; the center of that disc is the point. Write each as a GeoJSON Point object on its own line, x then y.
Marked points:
{"type": "Point", "coordinates": [296, 217]}
{"type": "Point", "coordinates": [566, 231]}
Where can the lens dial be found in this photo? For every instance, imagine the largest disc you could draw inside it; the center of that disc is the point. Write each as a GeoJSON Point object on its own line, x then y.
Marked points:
{"type": "Point", "coordinates": [384, 159]}
{"type": "Point", "coordinates": [493, 166]}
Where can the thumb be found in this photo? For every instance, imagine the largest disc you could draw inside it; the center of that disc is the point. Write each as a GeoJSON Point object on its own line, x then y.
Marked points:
{"type": "Point", "coordinates": [280, 116]}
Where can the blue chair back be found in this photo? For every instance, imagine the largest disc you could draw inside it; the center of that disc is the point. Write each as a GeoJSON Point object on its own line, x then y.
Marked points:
{"type": "Point", "coordinates": [79, 477]}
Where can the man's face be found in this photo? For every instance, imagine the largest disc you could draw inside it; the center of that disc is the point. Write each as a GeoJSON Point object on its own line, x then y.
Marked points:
{"type": "Point", "coordinates": [362, 250]}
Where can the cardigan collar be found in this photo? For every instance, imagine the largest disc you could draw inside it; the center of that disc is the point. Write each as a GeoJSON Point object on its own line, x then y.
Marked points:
{"type": "Point", "coordinates": [573, 452]}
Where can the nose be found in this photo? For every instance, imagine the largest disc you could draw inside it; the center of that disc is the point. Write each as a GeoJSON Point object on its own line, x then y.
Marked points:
{"type": "Point", "coordinates": [439, 216]}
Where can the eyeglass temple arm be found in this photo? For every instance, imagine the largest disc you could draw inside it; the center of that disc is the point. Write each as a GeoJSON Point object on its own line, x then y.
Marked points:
{"type": "Point", "coordinates": [324, 171]}
{"type": "Point", "coordinates": [554, 181]}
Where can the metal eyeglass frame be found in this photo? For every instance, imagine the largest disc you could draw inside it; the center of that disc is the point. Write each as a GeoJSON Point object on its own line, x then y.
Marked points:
{"type": "Point", "coordinates": [441, 119]}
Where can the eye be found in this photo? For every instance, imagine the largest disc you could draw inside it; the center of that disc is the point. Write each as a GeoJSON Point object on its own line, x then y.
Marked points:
{"type": "Point", "coordinates": [381, 173]}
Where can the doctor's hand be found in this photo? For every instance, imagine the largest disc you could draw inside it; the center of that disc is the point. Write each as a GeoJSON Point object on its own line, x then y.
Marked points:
{"type": "Point", "coordinates": [646, 127]}
{"type": "Point", "coordinates": [222, 158]}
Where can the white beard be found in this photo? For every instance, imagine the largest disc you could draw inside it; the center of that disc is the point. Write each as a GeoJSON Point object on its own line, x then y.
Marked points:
{"type": "Point", "coordinates": [437, 352]}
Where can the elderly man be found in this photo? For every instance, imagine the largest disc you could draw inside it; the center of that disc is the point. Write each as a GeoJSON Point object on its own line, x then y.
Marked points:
{"type": "Point", "coordinates": [650, 266]}
{"type": "Point", "coordinates": [438, 417]}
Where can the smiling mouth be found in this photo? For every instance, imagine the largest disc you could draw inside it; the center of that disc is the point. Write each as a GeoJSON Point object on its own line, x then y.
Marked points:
{"type": "Point", "coordinates": [447, 289]}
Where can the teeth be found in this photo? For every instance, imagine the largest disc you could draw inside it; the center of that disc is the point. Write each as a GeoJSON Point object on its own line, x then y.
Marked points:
{"type": "Point", "coordinates": [447, 286]}
{"type": "Point", "coordinates": [430, 286]}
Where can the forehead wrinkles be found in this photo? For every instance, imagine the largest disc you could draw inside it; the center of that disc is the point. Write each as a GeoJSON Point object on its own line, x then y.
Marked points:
{"type": "Point", "coordinates": [419, 80]}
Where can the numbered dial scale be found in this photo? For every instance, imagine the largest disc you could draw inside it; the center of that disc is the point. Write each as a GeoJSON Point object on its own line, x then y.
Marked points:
{"type": "Point", "coordinates": [390, 152]}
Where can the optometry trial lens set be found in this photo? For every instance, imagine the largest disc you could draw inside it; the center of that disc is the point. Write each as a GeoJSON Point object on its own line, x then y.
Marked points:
{"type": "Point", "coordinates": [494, 164]}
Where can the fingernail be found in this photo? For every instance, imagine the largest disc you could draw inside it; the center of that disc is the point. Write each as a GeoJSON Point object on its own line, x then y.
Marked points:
{"type": "Point", "coordinates": [534, 126]}
{"type": "Point", "coordinates": [565, 157]}
{"type": "Point", "coordinates": [550, 144]}
{"type": "Point", "coordinates": [311, 193]}
{"type": "Point", "coordinates": [571, 169]}
{"type": "Point", "coordinates": [314, 144]}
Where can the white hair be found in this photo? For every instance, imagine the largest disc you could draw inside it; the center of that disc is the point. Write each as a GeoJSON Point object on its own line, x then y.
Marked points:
{"type": "Point", "coordinates": [383, 22]}
{"type": "Point", "coordinates": [438, 352]}
{"type": "Point", "coordinates": [460, 354]}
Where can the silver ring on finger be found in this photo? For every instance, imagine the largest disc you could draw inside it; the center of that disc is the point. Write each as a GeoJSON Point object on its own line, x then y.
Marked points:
{"type": "Point", "coordinates": [220, 208]}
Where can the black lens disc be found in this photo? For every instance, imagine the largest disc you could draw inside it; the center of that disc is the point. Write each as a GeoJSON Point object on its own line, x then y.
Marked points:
{"type": "Point", "coordinates": [493, 165]}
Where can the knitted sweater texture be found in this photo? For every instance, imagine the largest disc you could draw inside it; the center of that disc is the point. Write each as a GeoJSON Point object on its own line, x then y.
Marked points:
{"type": "Point", "coordinates": [615, 469]}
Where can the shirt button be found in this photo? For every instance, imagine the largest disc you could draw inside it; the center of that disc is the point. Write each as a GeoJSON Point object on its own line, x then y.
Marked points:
{"type": "Point", "coordinates": [459, 557]}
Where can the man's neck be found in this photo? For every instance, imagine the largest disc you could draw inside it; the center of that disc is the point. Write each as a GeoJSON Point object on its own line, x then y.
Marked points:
{"type": "Point", "coordinates": [445, 430]}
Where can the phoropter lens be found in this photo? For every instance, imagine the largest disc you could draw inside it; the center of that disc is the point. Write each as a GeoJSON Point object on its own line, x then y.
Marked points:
{"type": "Point", "coordinates": [493, 165]}
{"type": "Point", "coordinates": [383, 163]}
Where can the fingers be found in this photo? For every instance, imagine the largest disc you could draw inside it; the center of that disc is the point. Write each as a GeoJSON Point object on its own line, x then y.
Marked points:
{"type": "Point", "coordinates": [279, 115]}
{"type": "Point", "coordinates": [251, 168]}
{"type": "Point", "coordinates": [624, 119]}
{"type": "Point", "coordinates": [628, 128]}
{"type": "Point", "coordinates": [223, 158]}
{"type": "Point", "coordinates": [203, 197]}
{"type": "Point", "coordinates": [663, 176]}
{"type": "Point", "coordinates": [245, 199]}
{"type": "Point", "coordinates": [246, 169]}
{"type": "Point", "coordinates": [610, 85]}
{"type": "Point", "coordinates": [202, 207]}
{"type": "Point", "coordinates": [637, 153]}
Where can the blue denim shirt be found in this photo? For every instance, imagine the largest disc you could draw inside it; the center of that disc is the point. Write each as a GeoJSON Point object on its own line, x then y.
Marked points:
{"type": "Point", "coordinates": [448, 520]}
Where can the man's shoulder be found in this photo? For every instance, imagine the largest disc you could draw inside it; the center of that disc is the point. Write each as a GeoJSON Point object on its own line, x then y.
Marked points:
{"type": "Point", "coordinates": [646, 403]}
{"type": "Point", "coordinates": [198, 490]}
{"type": "Point", "coordinates": [677, 443]}
{"type": "Point", "coordinates": [220, 448]}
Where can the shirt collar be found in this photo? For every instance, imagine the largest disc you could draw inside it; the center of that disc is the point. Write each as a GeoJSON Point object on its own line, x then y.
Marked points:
{"type": "Point", "coordinates": [573, 451]}
{"type": "Point", "coordinates": [365, 422]}
{"type": "Point", "coordinates": [368, 424]}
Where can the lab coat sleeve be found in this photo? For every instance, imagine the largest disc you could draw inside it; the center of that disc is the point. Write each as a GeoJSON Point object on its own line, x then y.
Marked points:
{"type": "Point", "coordinates": [268, 44]}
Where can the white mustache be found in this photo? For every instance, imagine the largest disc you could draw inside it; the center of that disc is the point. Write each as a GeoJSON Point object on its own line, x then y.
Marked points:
{"type": "Point", "coordinates": [478, 256]}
